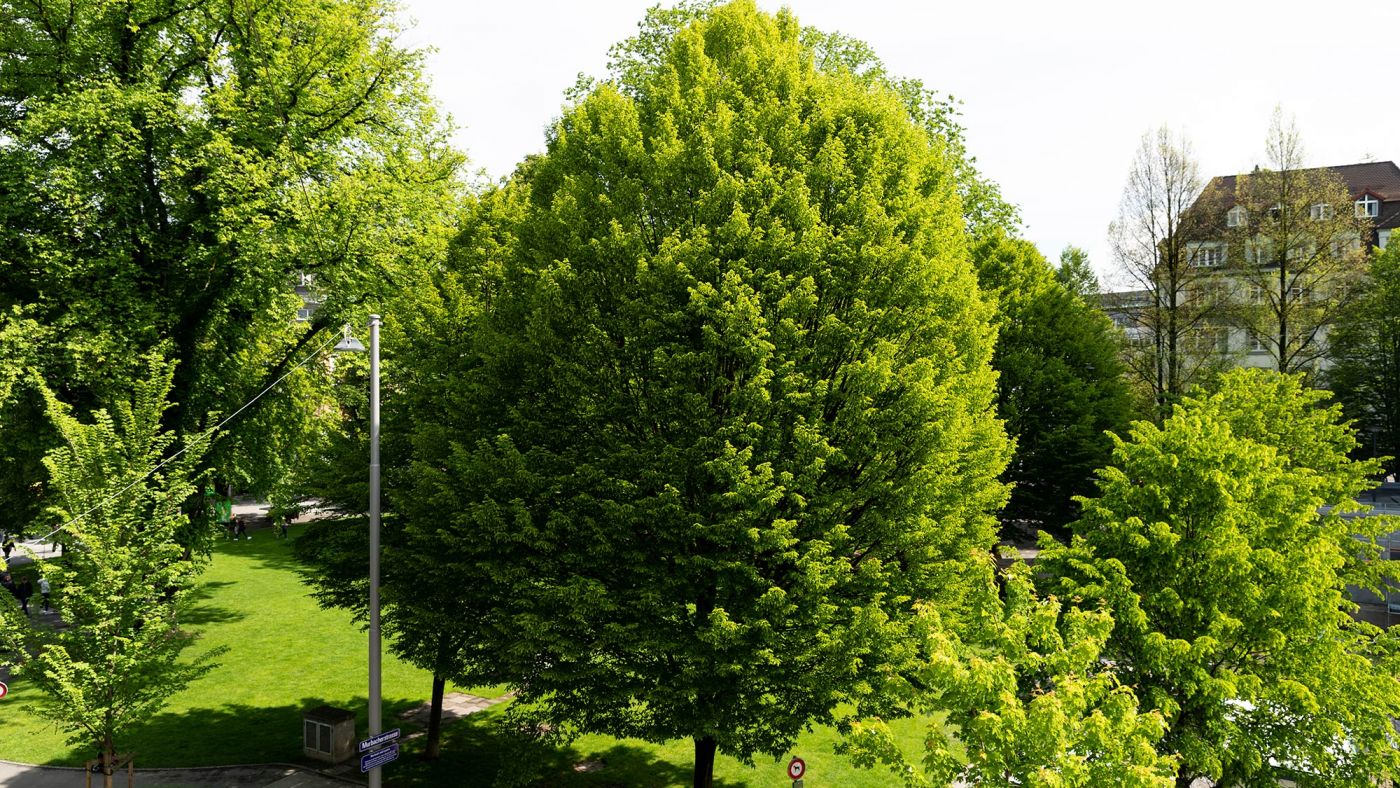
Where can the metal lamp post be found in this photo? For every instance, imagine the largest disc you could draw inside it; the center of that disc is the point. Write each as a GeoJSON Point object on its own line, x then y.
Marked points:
{"type": "Point", "coordinates": [351, 344]}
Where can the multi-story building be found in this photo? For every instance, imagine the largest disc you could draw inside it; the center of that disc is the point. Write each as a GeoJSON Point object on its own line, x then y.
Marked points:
{"type": "Point", "coordinates": [1232, 289]}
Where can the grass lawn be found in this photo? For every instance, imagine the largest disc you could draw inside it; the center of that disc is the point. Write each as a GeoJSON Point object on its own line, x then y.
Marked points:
{"type": "Point", "coordinates": [286, 655]}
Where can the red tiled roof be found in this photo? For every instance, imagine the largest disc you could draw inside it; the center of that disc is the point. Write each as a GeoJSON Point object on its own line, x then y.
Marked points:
{"type": "Point", "coordinates": [1381, 178]}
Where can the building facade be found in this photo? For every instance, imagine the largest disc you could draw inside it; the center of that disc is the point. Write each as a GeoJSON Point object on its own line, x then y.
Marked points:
{"type": "Point", "coordinates": [1264, 246]}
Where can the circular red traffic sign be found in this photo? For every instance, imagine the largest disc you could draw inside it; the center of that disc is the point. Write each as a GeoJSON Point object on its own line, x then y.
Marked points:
{"type": "Point", "coordinates": [796, 768]}
{"type": "Point", "coordinates": [4, 690]}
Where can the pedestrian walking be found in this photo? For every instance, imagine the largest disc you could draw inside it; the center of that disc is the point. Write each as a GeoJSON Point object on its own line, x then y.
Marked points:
{"type": "Point", "coordinates": [8, 546]}
{"type": "Point", "coordinates": [44, 592]}
{"type": "Point", "coordinates": [242, 529]}
{"type": "Point", "coordinates": [24, 591]}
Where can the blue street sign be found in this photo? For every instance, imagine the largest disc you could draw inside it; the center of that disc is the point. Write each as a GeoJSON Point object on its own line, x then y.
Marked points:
{"type": "Point", "coordinates": [383, 738]}
{"type": "Point", "coordinates": [379, 757]}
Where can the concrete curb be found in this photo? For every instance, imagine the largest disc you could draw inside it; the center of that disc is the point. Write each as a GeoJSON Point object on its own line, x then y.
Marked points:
{"type": "Point", "coordinates": [119, 777]}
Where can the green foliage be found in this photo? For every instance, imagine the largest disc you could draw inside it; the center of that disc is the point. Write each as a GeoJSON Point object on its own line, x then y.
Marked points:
{"type": "Point", "coordinates": [984, 208]}
{"type": "Point", "coordinates": [1228, 587]}
{"type": "Point", "coordinates": [1076, 274]}
{"type": "Point", "coordinates": [1027, 699]}
{"type": "Point", "coordinates": [1060, 388]}
{"type": "Point", "coordinates": [124, 576]}
{"type": "Point", "coordinates": [727, 412]}
{"type": "Point", "coordinates": [166, 170]}
{"type": "Point", "coordinates": [1364, 346]}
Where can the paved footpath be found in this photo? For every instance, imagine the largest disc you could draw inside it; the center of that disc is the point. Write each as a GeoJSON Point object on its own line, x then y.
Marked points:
{"type": "Point", "coordinates": [19, 775]}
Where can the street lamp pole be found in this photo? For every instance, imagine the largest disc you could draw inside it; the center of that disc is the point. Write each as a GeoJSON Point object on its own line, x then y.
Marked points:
{"type": "Point", "coordinates": [375, 722]}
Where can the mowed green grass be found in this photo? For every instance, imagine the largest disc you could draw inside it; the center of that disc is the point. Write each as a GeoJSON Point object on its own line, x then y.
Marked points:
{"type": "Point", "coordinates": [286, 655]}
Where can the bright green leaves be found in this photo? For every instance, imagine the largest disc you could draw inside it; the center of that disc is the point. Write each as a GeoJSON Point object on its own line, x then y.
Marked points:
{"type": "Point", "coordinates": [167, 172]}
{"type": "Point", "coordinates": [124, 574]}
{"type": "Point", "coordinates": [729, 411]}
{"type": "Point", "coordinates": [1027, 700]}
{"type": "Point", "coordinates": [1229, 587]}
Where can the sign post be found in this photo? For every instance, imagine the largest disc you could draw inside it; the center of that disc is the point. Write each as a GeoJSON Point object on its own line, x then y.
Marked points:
{"type": "Point", "coordinates": [377, 753]}
{"type": "Point", "coordinates": [796, 769]}
{"type": "Point", "coordinates": [379, 757]}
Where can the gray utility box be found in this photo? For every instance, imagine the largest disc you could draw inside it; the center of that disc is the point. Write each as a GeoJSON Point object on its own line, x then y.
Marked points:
{"type": "Point", "coordinates": [328, 734]}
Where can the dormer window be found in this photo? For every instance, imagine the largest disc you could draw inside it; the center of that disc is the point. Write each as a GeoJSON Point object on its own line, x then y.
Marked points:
{"type": "Point", "coordinates": [1234, 217]}
{"type": "Point", "coordinates": [1368, 207]}
{"type": "Point", "coordinates": [1321, 212]}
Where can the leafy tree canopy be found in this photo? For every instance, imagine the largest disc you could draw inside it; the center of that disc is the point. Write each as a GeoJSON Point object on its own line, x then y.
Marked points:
{"type": "Point", "coordinates": [1364, 346]}
{"type": "Point", "coordinates": [1023, 694]}
{"type": "Point", "coordinates": [119, 655]}
{"type": "Point", "coordinates": [1228, 587]}
{"type": "Point", "coordinates": [729, 410]}
{"type": "Point", "coordinates": [1076, 273]}
{"type": "Point", "coordinates": [1060, 385]}
{"type": "Point", "coordinates": [166, 171]}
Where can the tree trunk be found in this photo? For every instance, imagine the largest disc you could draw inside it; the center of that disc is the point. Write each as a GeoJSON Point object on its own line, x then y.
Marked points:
{"type": "Point", "coordinates": [434, 747]}
{"type": "Point", "coordinates": [109, 757]}
{"type": "Point", "coordinates": [705, 762]}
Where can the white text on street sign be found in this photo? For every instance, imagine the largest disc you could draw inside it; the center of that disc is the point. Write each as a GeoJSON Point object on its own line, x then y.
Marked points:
{"type": "Point", "coordinates": [379, 757]}
{"type": "Point", "coordinates": [383, 738]}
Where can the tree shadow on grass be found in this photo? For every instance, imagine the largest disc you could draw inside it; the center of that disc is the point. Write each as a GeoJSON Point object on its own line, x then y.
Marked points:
{"type": "Point", "coordinates": [264, 549]}
{"type": "Point", "coordinates": [198, 611]}
{"type": "Point", "coordinates": [231, 734]}
{"type": "Point", "coordinates": [476, 749]}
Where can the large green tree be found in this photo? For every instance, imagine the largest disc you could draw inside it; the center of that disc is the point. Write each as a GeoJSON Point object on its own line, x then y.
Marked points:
{"type": "Point", "coordinates": [119, 654]}
{"type": "Point", "coordinates": [1060, 384]}
{"type": "Point", "coordinates": [727, 412]}
{"type": "Point", "coordinates": [1228, 587]}
{"type": "Point", "coordinates": [168, 169]}
{"type": "Point", "coordinates": [1364, 346]}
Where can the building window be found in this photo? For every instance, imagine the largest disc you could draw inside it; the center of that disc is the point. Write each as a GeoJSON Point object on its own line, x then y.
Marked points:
{"type": "Point", "coordinates": [1256, 343]}
{"type": "Point", "coordinates": [1256, 294]}
{"type": "Point", "coordinates": [1210, 339]}
{"type": "Point", "coordinates": [1234, 217]}
{"type": "Point", "coordinates": [1208, 257]}
{"type": "Point", "coordinates": [1260, 253]}
{"type": "Point", "coordinates": [1368, 207]}
{"type": "Point", "coordinates": [1321, 212]}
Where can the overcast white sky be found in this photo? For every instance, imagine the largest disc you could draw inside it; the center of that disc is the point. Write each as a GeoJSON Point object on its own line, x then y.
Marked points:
{"type": "Point", "coordinates": [1056, 94]}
